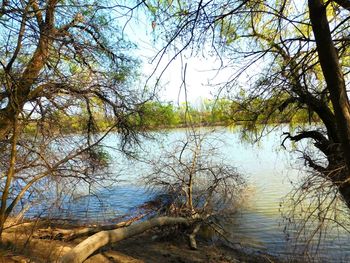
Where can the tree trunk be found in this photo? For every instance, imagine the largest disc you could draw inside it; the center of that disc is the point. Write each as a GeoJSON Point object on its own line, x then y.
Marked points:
{"type": "Point", "coordinates": [344, 189]}
{"type": "Point", "coordinates": [334, 77]}
{"type": "Point", "coordinates": [21, 88]}
{"type": "Point", "coordinates": [83, 250]}
{"type": "Point", "coordinates": [9, 176]}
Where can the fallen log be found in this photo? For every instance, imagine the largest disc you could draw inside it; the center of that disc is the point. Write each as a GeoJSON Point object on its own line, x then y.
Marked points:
{"type": "Point", "coordinates": [71, 234]}
{"type": "Point", "coordinates": [83, 250]}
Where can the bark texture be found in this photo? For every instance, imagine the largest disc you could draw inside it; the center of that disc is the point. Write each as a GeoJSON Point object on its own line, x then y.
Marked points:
{"type": "Point", "coordinates": [71, 234]}
{"type": "Point", "coordinates": [334, 77]}
{"type": "Point", "coordinates": [83, 250]}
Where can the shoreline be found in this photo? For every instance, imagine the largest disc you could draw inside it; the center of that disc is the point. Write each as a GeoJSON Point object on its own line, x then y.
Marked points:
{"type": "Point", "coordinates": [21, 243]}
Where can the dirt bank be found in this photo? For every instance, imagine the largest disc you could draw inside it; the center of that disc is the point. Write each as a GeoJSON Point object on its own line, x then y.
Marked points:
{"type": "Point", "coordinates": [22, 244]}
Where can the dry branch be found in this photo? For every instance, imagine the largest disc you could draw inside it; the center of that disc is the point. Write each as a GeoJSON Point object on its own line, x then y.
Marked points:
{"type": "Point", "coordinates": [192, 236]}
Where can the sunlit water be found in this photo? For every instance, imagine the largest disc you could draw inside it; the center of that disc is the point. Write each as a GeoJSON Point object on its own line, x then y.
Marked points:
{"type": "Point", "coordinates": [269, 170]}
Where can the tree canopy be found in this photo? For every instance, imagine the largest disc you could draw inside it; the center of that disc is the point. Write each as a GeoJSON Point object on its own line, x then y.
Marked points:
{"type": "Point", "coordinates": [61, 58]}
{"type": "Point", "coordinates": [298, 53]}
{"type": "Point", "coordinates": [65, 58]}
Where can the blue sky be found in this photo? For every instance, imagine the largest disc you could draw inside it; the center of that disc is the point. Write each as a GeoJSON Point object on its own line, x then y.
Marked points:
{"type": "Point", "coordinates": [202, 77]}
{"type": "Point", "coordinates": [200, 71]}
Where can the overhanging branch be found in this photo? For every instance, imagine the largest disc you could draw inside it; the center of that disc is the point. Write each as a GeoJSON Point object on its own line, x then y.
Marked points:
{"type": "Point", "coordinates": [343, 3]}
{"type": "Point", "coordinates": [321, 142]}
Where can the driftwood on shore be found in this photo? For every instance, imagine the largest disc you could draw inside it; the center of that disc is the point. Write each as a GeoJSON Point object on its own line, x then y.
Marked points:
{"type": "Point", "coordinates": [71, 234]}
{"type": "Point", "coordinates": [87, 247]}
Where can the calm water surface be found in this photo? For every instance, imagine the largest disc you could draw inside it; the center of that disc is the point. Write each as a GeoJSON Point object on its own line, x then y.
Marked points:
{"type": "Point", "coordinates": [269, 171]}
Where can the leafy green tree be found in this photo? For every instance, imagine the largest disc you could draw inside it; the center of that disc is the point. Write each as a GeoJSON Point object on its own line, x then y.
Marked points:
{"type": "Point", "coordinates": [60, 59]}
{"type": "Point", "coordinates": [297, 56]}
{"type": "Point", "coordinates": [158, 115]}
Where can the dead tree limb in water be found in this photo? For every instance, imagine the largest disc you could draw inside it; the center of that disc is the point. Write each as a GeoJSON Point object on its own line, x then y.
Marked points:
{"type": "Point", "coordinates": [83, 250]}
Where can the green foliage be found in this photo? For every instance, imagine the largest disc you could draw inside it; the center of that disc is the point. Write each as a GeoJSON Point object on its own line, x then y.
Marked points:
{"type": "Point", "coordinates": [100, 156]}
{"type": "Point", "coordinates": [157, 115]}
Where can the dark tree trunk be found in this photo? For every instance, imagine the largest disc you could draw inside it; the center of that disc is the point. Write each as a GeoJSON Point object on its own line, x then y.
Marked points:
{"type": "Point", "coordinates": [334, 78]}
{"type": "Point", "coordinates": [344, 189]}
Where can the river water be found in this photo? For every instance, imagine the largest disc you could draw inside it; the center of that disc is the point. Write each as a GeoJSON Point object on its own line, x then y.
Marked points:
{"type": "Point", "coordinates": [269, 169]}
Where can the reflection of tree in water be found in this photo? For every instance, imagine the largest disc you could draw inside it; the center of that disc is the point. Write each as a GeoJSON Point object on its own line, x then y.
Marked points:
{"type": "Point", "coordinates": [316, 219]}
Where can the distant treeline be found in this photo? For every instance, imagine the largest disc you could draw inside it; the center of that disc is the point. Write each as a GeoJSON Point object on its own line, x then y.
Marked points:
{"type": "Point", "coordinates": [157, 115]}
{"type": "Point", "coordinates": [222, 112]}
